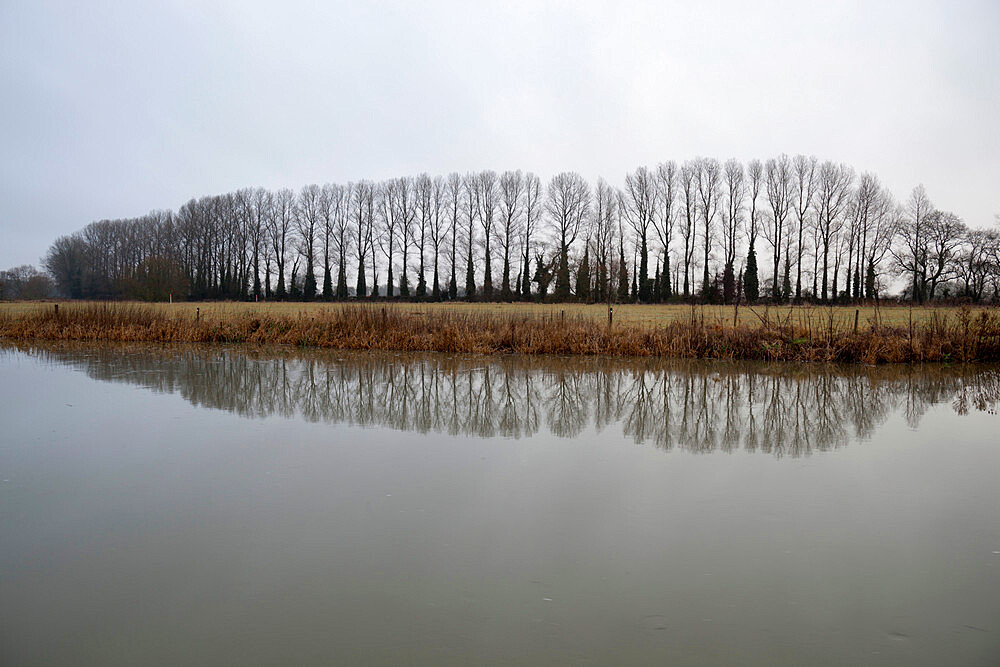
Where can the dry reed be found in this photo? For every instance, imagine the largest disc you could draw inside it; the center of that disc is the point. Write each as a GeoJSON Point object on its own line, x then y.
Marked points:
{"type": "Point", "coordinates": [967, 336]}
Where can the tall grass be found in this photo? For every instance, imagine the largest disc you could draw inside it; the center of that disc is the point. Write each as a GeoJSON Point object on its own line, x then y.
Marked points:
{"type": "Point", "coordinates": [964, 336]}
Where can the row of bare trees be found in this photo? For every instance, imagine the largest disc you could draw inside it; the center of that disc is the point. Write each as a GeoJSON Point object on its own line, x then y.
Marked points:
{"type": "Point", "coordinates": [690, 231]}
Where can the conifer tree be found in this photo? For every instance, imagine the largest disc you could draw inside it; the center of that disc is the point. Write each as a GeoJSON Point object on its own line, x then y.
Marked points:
{"type": "Point", "coordinates": [342, 280]}
{"type": "Point", "coordinates": [543, 276]}
{"type": "Point", "coordinates": [470, 279]}
{"type": "Point", "coordinates": [404, 284]}
{"type": "Point", "coordinates": [665, 291]}
{"type": "Point", "coordinates": [583, 277]}
{"type": "Point", "coordinates": [645, 284]}
{"type": "Point", "coordinates": [728, 284]}
{"type": "Point", "coordinates": [295, 293]}
{"type": "Point", "coordinates": [327, 283]}
{"type": "Point", "coordinates": [622, 275]}
{"type": "Point", "coordinates": [751, 284]}
{"type": "Point", "coordinates": [655, 295]}
{"type": "Point", "coordinates": [309, 286]}
{"type": "Point", "coordinates": [361, 289]}
{"type": "Point", "coordinates": [452, 285]}
{"type": "Point", "coordinates": [280, 293]}
{"type": "Point", "coordinates": [525, 281]}
{"type": "Point", "coordinates": [870, 281]}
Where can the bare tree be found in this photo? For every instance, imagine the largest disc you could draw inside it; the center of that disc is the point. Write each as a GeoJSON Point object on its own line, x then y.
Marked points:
{"type": "Point", "coordinates": [307, 222]}
{"type": "Point", "coordinates": [973, 261]}
{"type": "Point", "coordinates": [455, 191]}
{"type": "Point", "coordinates": [805, 184]}
{"type": "Point", "coordinates": [639, 209]}
{"type": "Point", "coordinates": [511, 196]}
{"type": "Point", "coordinates": [405, 204]}
{"type": "Point", "coordinates": [253, 202]}
{"type": "Point", "coordinates": [833, 192]}
{"type": "Point", "coordinates": [913, 233]}
{"type": "Point", "coordinates": [281, 215]}
{"type": "Point", "coordinates": [779, 198]}
{"type": "Point", "coordinates": [439, 225]}
{"type": "Point", "coordinates": [884, 221]}
{"type": "Point", "coordinates": [424, 195]}
{"type": "Point", "coordinates": [396, 207]}
{"type": "Point", "coordinates": [755, 183]}
{"type": "Point", "coordinates": [486, 194]}
{"type": "Point", "coordinates": [735, 192]}
{"type": "Point", "coordinates": [363, 211]}
{"type": "Point", "coordinates": [327, 201]}
{"type": "Point", "coordinates": [388, 231]}
{"type": "Point", "coordinates": [66, 261]}
{"type": "Point", "coordinates": [532, 214]}
{"type": "Point", "coordinates": [470, 202]}
{"type": "Point", "coordinates": [689, 195]}
{"type": "Point", "coordinates": [568, 204]}
{"type": "Point", "coordinates": [663, 222]}
{"type": "Point", "coordinates": [862, 208]}
{"type": "Point", "coordinates": [946, 231]}
{"type": "Point", "coordinates": [340, 197]}
{"type": "Point", "coordinates": [709, 181]}
{"type": "Point", "coordinates": [606, 223]}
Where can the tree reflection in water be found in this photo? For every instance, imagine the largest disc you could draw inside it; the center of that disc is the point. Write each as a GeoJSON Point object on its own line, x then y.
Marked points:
{"type": "Point", "coordinates": [782, 410]}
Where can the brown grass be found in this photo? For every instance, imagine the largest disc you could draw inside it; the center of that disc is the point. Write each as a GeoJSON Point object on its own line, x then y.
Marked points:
{"type": "Point", "coordinates": [819, 334]}
{"type": "Point", "coordinates": [646, 315]}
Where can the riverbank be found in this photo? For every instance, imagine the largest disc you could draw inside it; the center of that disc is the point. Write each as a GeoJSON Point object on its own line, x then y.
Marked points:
{"type": "Point", "coordinates": [959, 335]}
{"type": "Point", "coordinates": [640, 315]}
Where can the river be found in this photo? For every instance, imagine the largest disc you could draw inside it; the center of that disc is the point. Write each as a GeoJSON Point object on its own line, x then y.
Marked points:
{"type": "Point", "coordinates": [214, 505]}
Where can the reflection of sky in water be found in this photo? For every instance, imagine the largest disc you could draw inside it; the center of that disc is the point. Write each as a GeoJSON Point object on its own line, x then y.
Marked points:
{"type": "Point", "coordinates": [165, 527]}
{"type": "Point", "coordinates": [785, 410]}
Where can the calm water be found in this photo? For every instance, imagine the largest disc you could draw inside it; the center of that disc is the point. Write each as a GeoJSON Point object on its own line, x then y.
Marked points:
{"type": "Point", "coordinates": [209, 506]}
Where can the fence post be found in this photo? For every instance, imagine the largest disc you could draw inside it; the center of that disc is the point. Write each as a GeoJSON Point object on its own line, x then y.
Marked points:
{"type": "Point", "coordinates": [197, 314]}
{"type": "Point", "coordinates": [611, 313]}
{"type": "Point", "coordinates": [911, 333]}
{"type": "Point", "coordinates": [57, 310]}
{"type": "Point", "coordinates": [855, 320]}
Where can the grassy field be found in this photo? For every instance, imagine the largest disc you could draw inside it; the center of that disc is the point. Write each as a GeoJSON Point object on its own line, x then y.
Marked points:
{"type": "Point", "coordinates": [643, 316]}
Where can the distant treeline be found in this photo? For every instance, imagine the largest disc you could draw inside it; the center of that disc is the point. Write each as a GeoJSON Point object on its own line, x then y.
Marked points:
{"type": "Point", "coordinates": [25, 282]}
{"type": "Point", "coordinates": [785, 229]}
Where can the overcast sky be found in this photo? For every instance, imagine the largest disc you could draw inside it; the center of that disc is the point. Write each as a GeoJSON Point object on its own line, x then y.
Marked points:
{"type": "Point", "coordinates": [109, 110]}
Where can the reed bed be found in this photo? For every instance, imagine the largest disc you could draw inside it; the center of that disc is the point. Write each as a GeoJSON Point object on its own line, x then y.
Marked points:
{"type": "Point", "coordinates": [639, 315]}
{"type": "Point", "coordinates": [962, 335]}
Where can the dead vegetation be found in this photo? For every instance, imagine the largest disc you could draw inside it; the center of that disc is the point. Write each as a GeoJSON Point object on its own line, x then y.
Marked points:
{"type": "Point", "coordinates": [962, 335]}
